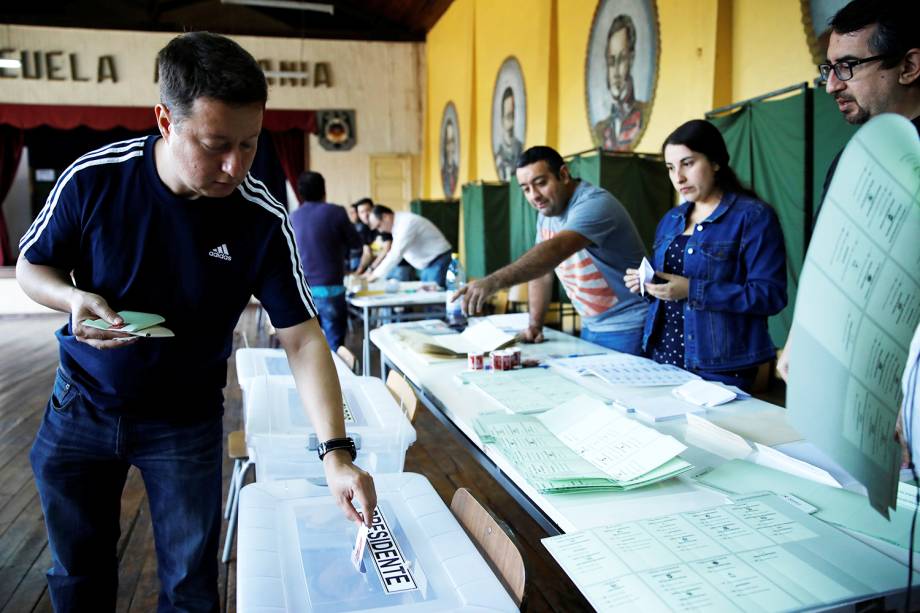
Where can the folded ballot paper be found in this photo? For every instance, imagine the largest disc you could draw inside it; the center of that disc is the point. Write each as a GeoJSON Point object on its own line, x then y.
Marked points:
{"type": "Point", "coordinates": [646, 275]}
{"type": "Point", "coordinates": [136, 324]}
{"type": "Point", "coordinates": [582, 445]}
{"type": "Point", "coordinates": [707, 394]}
{"type": "Point", "coordinates": [481, 337]}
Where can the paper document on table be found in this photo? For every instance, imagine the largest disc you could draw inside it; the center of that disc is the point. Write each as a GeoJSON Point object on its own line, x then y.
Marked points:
{"type": "Point", "coordinates": [528, 390]}
{"type": "Point", "coordinates": [704, 393]}
{"type": "Point", "coordinates": [626, 369]}
{"type": "Point", "coordinates": [619, 446]}
{"type": "Point", "coordinates": [704, 434]}
{"type": "Point", "coordinates": [646, 274]}
{"type": "Point", "coordinates": [481, 337]}
{"type": "Point", "coordinates": [550, 465]}
{"type": "Point", "coordinates": [857, 306]}
{"type": "Point", "coordinates": [835, 505]}
{"type": "Point", "coordinates": [767, 427]}
{"type": "Point", "coordinates": [758, 554]}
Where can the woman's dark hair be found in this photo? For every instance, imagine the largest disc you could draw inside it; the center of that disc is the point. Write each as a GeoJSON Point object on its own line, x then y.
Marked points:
{"type": "Point", "coordinates": [702, 137]}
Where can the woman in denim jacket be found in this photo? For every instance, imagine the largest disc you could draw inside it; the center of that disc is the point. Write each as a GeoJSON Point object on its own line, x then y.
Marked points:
{"type": "Point", "coordinates": [721, 261]}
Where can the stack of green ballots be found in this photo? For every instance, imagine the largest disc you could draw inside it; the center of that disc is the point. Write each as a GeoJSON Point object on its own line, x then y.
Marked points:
{"type": "Point", "coordinates": [582, 446]}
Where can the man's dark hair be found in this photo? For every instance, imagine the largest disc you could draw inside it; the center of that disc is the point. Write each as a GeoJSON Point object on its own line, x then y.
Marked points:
{"type": "Point", "coordinates": [204, 65]}
{"type": "Point", "coordinates": [622, 22]}
{"type": "Point", "coordinates": [508, 93]}
{"type": "Point", "coordinates": [311, 186]}
{"type": "Point", "coordinates": [898, 26]}
{"type": "Point", "coordinates": [379, 211]}
{"type": "Point", "coordinates": [542, 153]}
{"type": "Point", "coordinates": [363, 201]}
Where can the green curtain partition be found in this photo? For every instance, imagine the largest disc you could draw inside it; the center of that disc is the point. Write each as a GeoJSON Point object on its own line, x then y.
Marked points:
{"type": "Point", "coordinates": [781, 148]}
{"type": "Point", "coordinates": [832, 133]}
{"type": "Point", "coordinates": [522, 224]}
{"type": "Point", "coordinates": [485, 227]}
{"type": "Point", "coordinates": [445, 214]}
{"type": "Point", "coordinates": [640, 183]}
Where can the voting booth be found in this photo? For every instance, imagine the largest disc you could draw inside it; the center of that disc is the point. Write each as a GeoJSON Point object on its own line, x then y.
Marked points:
{"type": "Point", "coordinates": [485, 228]}
{"type": "Point", "coordinates": [295, 549]}
{"type": "Point", "coordinates": [283, 441]}
{"type": "Point", "coordinates": [445, 214]}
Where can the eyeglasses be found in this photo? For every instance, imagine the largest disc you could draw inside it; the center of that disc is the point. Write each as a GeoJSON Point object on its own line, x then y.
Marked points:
{"type": "Point", "coordinates": [844, 69]}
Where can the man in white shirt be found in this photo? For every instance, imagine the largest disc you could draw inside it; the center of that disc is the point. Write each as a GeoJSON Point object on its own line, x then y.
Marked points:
{"type": "Point", "coordinates": [416, 240]}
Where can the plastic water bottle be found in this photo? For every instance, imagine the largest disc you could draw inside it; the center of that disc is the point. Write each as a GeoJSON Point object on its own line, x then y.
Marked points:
{"type": "Point", "coordinates": [455, 279]}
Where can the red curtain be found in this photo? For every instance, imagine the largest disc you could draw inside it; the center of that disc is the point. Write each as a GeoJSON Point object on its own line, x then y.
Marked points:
{"type": "Point", "coordinates": [289, 146]}
{"type": "Point", "coordinates": [11, 141]}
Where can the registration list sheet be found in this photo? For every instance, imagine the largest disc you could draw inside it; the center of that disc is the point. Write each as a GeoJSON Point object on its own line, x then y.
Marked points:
{"type": "Point", "coordinates": [858, 305]}
{"type": "Point", "coordinates": [757, 554]}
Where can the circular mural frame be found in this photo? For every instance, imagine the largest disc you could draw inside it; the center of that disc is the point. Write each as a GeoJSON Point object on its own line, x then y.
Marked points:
{"type": "Point", "coordinates": [638, 89]}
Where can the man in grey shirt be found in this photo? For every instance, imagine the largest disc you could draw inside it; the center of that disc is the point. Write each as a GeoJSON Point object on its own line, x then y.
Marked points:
{"type": "Point", "coordinates": [588, 238]}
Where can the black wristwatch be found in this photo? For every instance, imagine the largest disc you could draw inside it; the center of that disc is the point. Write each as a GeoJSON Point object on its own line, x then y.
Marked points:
{"type": "Point", "coordinates": [337, 443]}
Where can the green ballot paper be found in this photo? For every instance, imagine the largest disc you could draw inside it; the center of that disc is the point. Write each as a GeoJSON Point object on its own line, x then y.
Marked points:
{"type": "Point", "coordinates": [136, 324]}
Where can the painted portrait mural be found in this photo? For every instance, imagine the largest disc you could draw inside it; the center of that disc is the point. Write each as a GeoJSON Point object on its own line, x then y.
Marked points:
{"type": "Point", "coordinates": [621, 71]}
{"type": "Point", "coordinates": [450, 150]}
{"type": "Point", "coordinates": [509, 118]}
{"type": "Point", "coordinates": [816, 15]}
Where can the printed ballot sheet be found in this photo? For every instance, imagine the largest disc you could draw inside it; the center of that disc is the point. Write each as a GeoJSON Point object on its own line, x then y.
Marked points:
{"type": "Point", "coordinates": [625, 369]}
{"type": "Point", "coordinates": [858, 304]}
{"type": "Point", "coordinates": [552, 466]}
{"type": "Point", "coordinates": [758, 554]}
{"type": "Point", "coordinates": [528, 390]}
{"type": "Point", "coordinates": [621, 447]}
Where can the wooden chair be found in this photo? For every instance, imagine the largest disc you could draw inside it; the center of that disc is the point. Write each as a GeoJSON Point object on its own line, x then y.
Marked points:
{"type": "Point", "coordinates": [495, 541]}
{"type": "Point", "coordinates": [348, 357]}
{"type": "Point", "coordinates": [236, 449]}
{"type": "Point", "coordinates": [518, 296]}
{"type": "Point", "coordinates": [403, 394]}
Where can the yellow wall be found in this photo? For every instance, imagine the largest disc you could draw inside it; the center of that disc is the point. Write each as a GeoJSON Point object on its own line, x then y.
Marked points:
{"type": "Point", "coordinates": [770, 50]}
{"type": "Point", "coordinates": [503, 28]}
{"type": "Point", "coordinates": [712, 52]}
{"type": "Point", "coordinates": [449, 51]}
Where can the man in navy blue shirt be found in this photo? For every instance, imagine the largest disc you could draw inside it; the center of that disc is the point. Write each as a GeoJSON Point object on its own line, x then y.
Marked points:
{"type": "Point", "coordinates": [170, 224]}
{"type": "Point", "coordinates": [324, 237]}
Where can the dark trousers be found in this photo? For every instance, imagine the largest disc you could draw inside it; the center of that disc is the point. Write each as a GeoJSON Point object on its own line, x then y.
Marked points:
{"type": "Point", "coordinates": [80, 459]}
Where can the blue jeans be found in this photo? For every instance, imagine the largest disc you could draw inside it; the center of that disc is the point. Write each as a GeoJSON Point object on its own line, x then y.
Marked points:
{"type": "Point", "coordinates": [624, 341]}
{"type": "Point", "coordinates": [80, 459]}
{"type": "Point", "coordinates": [436, 271]}
{"type": "Point", "coordinates": [333, 317]}
{"type": "Point", "coordinates": [400, 273]}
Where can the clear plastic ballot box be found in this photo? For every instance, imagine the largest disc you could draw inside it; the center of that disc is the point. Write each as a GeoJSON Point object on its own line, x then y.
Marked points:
{"type": "Point", "coordinates": [295, 550]}
{"type": "Point", "coordinates": [282, 441]}
{"type": "Point", "coordinates": [272, 363]}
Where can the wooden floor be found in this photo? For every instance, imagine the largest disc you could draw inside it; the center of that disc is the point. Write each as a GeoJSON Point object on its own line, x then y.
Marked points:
{"type": "Point", "coordinates": [28, 360]}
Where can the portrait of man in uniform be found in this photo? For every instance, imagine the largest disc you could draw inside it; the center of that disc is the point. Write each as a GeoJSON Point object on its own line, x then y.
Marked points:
{"type": "Point", "coordinates": [450, 150]}
{"type": "Point", "coordinates": [510, 148]}
{"type": "Point", "coordinates": [621, 66]}
{"type": "Point", "coordinates": [509, 111]}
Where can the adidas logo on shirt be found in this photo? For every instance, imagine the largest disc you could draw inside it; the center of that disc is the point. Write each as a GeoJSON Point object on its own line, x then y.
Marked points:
{"type": "Point", "coordinates": [220, 252]}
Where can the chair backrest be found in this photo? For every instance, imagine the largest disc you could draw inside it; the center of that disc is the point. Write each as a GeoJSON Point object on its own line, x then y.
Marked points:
{"type": "Point", "coordinates": [403, 394]}
{"type": "Point", "coordinates": [494, 540]}
{"type": "Point", "coordinates": [518, 293]}
{"type": "Point", "coordinates": [348, 357]}
{"type": "Point", "coordinates": [236, 445]}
